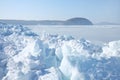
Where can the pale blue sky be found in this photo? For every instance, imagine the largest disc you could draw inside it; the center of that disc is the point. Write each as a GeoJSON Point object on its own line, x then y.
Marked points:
{"type": "Point", "coordinates": [95, 10]}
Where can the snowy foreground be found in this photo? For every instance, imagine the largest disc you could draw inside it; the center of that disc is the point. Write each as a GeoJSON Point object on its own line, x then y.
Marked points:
{"type": "Point", "coordinates": [27, 56]}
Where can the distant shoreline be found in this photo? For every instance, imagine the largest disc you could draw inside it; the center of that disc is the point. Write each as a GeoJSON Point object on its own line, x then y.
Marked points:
{"type": "Point", "coordinates": [72, 21]}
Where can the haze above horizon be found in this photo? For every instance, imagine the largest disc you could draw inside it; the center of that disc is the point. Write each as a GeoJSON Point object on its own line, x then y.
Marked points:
{"type": "Point", "coordinates": [94, 10]}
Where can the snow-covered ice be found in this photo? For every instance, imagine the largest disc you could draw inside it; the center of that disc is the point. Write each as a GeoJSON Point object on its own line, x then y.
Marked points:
{"type": "Point", "coordinates": [94, 33]}
{"type": "Point", "coordinates": [25, 55]}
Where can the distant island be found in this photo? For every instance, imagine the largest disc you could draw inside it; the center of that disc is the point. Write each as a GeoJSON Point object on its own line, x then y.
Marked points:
{"type": "Point", "coordinates": [78, 21]}
{"type": "Point", "coordinates": [72, 21]}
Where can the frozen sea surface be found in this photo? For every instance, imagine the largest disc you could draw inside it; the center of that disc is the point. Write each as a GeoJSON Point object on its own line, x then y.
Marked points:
{"type": "Point", "coordinates": [96, 33]}
{"type": "Point", "coordinates": [25, 55]}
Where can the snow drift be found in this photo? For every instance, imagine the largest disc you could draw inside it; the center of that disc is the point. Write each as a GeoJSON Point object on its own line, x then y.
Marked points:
{"type": "Point", "coordinates": [26, 56]}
